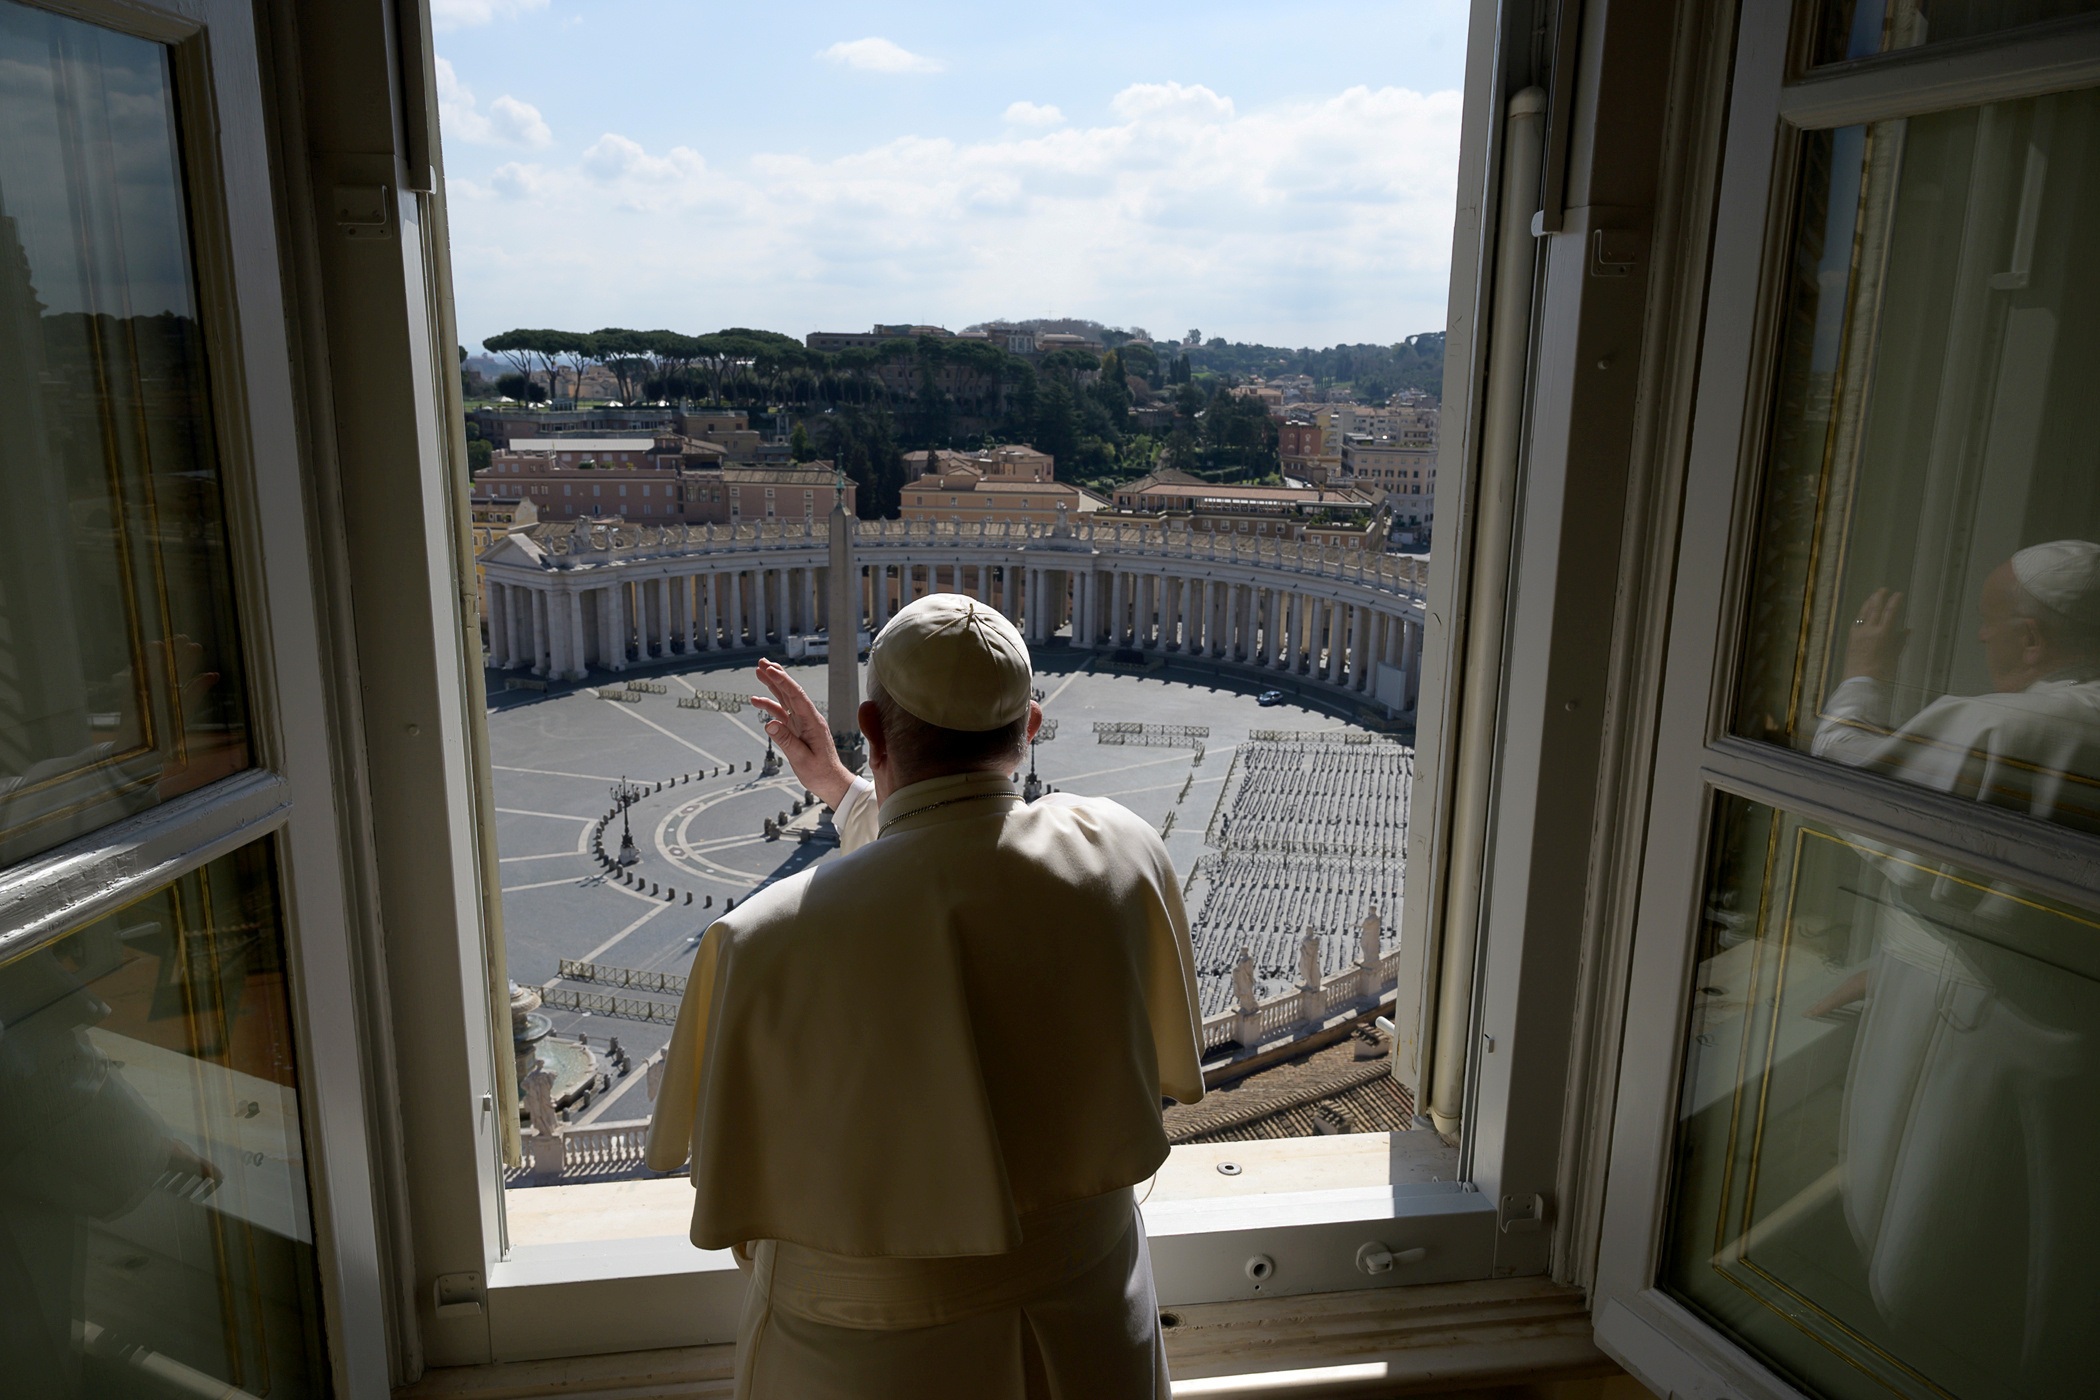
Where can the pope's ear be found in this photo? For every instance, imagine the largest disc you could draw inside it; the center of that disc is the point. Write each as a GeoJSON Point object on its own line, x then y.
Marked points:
{"type": "Point", "coordinates": [1035, 719]}
{"type": "Point", "coordinates": [870, 717]}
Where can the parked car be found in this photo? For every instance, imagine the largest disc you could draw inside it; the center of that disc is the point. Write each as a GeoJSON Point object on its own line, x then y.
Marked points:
{"type": "Point", "coordinates": [1269, 697]}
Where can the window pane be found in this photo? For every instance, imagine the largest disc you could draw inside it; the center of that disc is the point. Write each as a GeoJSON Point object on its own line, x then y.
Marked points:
{"type": "Point", "coordinates": [120, 672]}
{"type": "Point", "coordinates": [155, 1237]}
{"type": "Point", "coordinates": [1883, 1174]}
{"type": "Point", "coordinates": [1927, 594]}
{"type": "Point", "coordinates": [1861, 28]}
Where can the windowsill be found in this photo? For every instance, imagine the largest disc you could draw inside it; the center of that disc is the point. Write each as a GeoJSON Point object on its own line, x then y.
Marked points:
{"type": "Point", "coordinates": [606, 1267]}
{"type": "Point", "coordinates": [566, 1222]}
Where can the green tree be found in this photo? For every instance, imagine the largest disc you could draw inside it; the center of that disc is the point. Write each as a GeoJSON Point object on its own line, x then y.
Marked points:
{"type": "Point", "coordinates": [518, 387]}
{"type": "Point", "coordinates": [1112, 392]}
{"type": "Point", "coordinates": [799, 445]}
{"type": "Point", "coordinates": [1057, 420]}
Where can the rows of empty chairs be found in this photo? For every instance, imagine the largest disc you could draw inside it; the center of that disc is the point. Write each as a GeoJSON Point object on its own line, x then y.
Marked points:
{"type": "Point", "coordinates": [1316, 799]}
{"type": "Point", "coordinates": [1264, 900]}
{"type": "Point", "coordinates": [1309, 834]}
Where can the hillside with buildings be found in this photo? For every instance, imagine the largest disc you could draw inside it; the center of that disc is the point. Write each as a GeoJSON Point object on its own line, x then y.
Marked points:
{"type": "Point", "coordinates": [1009, 421]}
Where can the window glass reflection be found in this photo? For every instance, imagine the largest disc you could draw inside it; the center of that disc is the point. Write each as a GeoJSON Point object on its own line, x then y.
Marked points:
{"type": "Point", "coordinates": [155, 1238]}
{"type": "Point", "coordinates": [1926, 602]}
{"type": "Point", "coordinates": [1883, 1174]}
{"type": "Point", "coordinates": [120, 674]}
{"type": "Point", "coordinates": [1862, 28]}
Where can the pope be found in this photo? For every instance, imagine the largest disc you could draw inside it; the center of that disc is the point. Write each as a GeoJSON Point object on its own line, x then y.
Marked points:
{"type": "Point", "coordinates": [917, 1084]}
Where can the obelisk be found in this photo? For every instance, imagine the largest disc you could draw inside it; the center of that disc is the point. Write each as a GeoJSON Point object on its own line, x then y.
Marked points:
{"type": "Point", "coordinates": [843, 644]}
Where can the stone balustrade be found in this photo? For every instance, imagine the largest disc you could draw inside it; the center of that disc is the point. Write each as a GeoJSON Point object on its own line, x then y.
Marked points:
{"type": "Point", "coordinates": [1297, 1014]}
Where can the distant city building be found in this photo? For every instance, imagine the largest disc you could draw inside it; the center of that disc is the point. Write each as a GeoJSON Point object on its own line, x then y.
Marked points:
{"type": "Point", "coordinates": [798, 491]}
{"type": "Point", "coordinates": [1001, 485]}
{"type": "Point", "coordinates": [1337, 515]}
{"type": "Point", "coordinates": [494, 514]}
{"type": "Point", "coordinates": [1012, 460]}
{"type": "Point", "coordinates": [669, 479]}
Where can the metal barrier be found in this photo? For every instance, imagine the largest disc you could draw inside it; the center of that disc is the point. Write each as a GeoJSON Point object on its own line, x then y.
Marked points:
{"type": "Point", "coordinates": [728, 702]}
{"type": "Point", "coordinates": [605, 1004]}
{"type": "Point", "coordinates": [621, 976]}
{"type": "Point", "coordinates": [648, 687]}
{"type": "Point", "coordinates": [1158, 736]}
{"type": "Point", "coordinates": [604, 694]}
{"type": "Point", "coordinates": [523, 683]}
{"type": "Point", "coordinates": [1319, 736]}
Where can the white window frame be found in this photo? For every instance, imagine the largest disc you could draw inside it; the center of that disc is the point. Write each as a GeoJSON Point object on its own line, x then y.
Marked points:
{"type": "Point", "coordinates": [294, 796]}
{"type": "Point", "coordinates": [1770, 101]}
{"type": "Point", "coordinates": [401, 581]}
{"type": "Point", "coordinates": [556, 1300]}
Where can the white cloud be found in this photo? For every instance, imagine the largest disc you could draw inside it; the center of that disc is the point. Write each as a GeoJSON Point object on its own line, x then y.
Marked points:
{"type": "Point", "coordinates": [516, 181]}
{"type": "Point", "coordinates": [1309, 222]}
{"type": "Point", "coordinates": [1029, 114]}
{"type": "Point", "coordinates": [519, 123]}
{"type": "Point", "coordinates": [467, 14]}
{"type": "Point", "coordinates": [880, 56]}
{"type": "Point", "coordinates": [508, 122]}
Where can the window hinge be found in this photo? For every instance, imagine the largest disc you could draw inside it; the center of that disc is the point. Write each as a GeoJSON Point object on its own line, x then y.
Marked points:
{"type": "Point", "coordinates": [1519, 1215]}
{"type": "Point", "coordinates": [456, 1295]}
{"type": "Point", "coordinates": [360, 210]}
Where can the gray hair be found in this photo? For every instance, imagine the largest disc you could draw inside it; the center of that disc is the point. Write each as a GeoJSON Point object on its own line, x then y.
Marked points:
{"type": "Point", "coordinates": [916, 745]}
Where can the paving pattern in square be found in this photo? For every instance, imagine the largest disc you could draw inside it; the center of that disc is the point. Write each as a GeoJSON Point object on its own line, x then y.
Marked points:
{"type": "Point", "coordinates": [557, 755]}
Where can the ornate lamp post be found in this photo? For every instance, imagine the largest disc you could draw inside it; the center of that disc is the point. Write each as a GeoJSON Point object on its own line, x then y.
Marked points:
{"type": "Point", "coordinates": [625, 795]}
{"type": "Point", "coordinates": [1033, 788]}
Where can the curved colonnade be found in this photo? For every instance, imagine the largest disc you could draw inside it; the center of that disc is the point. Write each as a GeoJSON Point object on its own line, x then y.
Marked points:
{"type": "Point", "coordinates": [566, 596]}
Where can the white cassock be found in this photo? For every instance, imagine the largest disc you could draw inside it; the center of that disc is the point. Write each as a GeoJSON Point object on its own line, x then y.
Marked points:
{"type": "Point", "coordinates": [1969, 1117]}
{"type": "Point", "coordinates": [918, 1083]}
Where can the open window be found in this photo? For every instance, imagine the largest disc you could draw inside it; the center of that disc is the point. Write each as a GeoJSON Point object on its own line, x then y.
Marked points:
{"type": "Point", "coordinates": [1850, 1117]}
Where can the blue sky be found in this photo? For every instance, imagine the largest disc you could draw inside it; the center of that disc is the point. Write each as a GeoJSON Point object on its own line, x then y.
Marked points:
{"type": "Point", "coordinates": [1278, 173]}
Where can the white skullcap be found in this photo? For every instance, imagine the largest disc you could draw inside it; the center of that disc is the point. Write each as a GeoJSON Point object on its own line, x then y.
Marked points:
{"type": "Point", "coordinates": [2064, 577]}
{"type": "Point", "coordinates": [953, 662]}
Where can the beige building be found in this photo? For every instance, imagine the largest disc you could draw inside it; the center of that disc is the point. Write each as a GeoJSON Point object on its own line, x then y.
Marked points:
{"type": "Point", "coordinates": [1403, 474]}
{"type": "Point", "coordinates": [1262, 512]}
{"type": "Point", "coordinates": [494, 515]}
{"type": "Point", "coordinates": [965, 495]}
{"type": "Point", "coordinates": [1013, 461]}
{"type": "Point", "coordinates": [799, 491]}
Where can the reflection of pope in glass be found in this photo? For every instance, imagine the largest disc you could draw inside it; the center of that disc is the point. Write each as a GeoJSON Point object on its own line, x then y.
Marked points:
{"type": "Point", "coordinates": [1968, 1127]}
{"type": "Point", "coordinates": [2033, 742]}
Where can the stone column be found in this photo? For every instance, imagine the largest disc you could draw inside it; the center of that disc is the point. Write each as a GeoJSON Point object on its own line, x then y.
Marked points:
{"type": "Point", "coordinates": [733, 624]}
{"type": "Point", "coordinates": [1287, 630]}
{"type": "Point", "coordinates": [1360, 651]}
{"type": "Point", "coordinates": [553, 632]}
{"type": "Point", "coordinates": [760, 619]}
{"type": "Point", "coordinates": [536, 606]}
{"type": "Point", "coordinates": [1244, 651]}
{"type": "Point", "coordinates": [1411, 660]}
{"type": "Point", "coordinates": [571, 615]}
{"type": "Point", "coordinates": [623, 624]}
{"type": "Point", "coordinates": [704, 587]}
{"type": "Point", "coordinates": [1116, 595]}
{"type": "Point", "coordinates": [663, 616]}
{"type": "Point", "coordinates": [1337, 640]}
{"type": "Point", "coordinates": [498, 621]}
